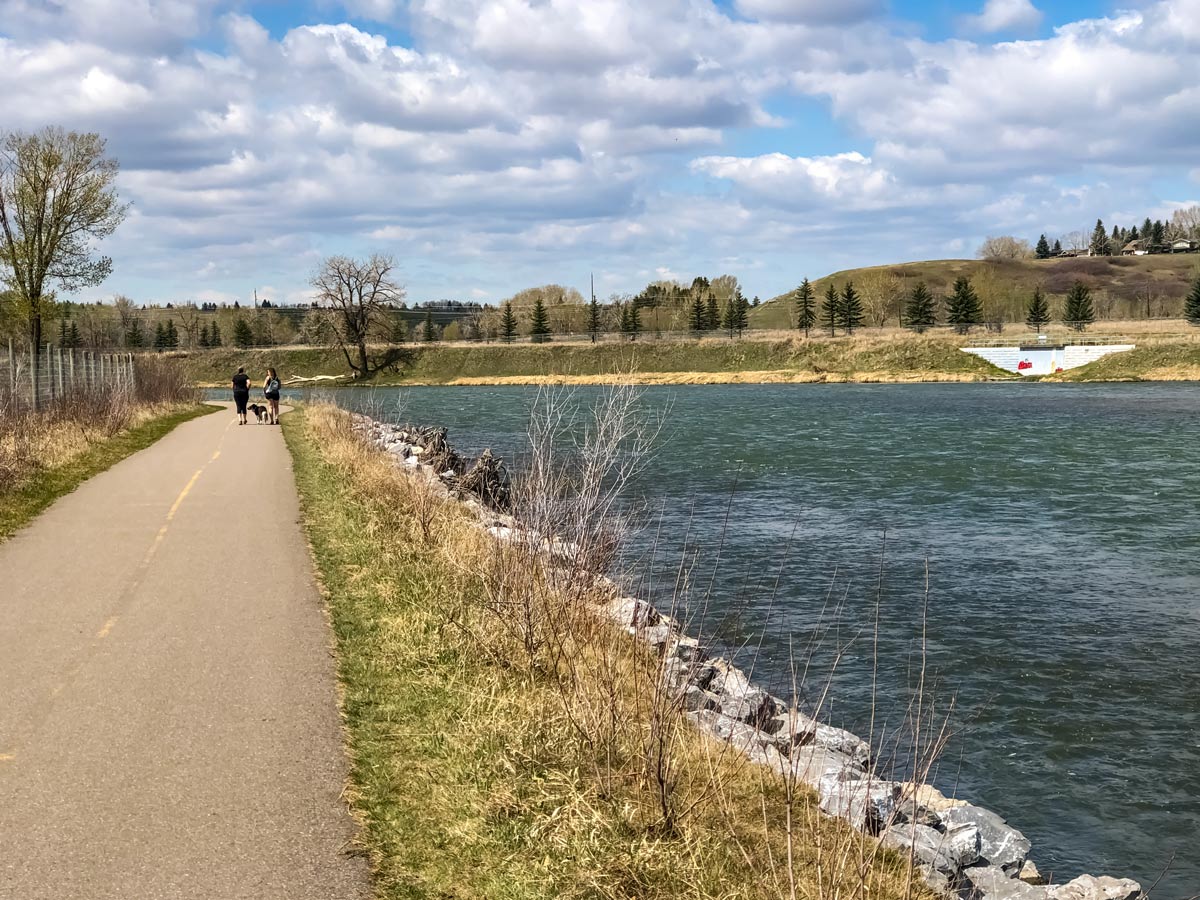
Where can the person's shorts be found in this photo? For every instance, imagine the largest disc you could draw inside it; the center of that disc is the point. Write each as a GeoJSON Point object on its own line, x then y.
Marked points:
{"type": "Point", "coordinates": [272, 395]}
{"type": "Point", "coordinates": [240, 399]}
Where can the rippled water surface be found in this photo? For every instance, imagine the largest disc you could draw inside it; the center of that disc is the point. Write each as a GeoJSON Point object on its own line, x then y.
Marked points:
{"type": "Point", "coordinates": [1059, 523]}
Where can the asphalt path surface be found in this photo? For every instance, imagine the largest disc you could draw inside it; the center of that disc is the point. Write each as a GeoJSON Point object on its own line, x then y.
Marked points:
{"type": "Point", "coordinates": [168, 702]}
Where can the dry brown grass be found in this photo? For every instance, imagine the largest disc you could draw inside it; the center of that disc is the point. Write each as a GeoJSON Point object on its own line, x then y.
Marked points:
{"type": "Point", "coordinates": [65, 429]}
{"type": "Point", "coordinates": [508, 743]}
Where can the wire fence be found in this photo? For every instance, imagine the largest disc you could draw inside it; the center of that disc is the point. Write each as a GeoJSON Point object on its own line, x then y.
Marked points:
{"type": "Point", "coordinates": [32, 380]}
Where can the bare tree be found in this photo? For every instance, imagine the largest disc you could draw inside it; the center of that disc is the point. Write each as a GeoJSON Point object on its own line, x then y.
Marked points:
{"type": "Point", "coordinates": [57, 196]}
{"type": "Point", "coordinates": [358, 294]}
{"type": "Point", "coordinates": [1186, 223]}
{"type": "Point", "coordinates": [1005, 247]}
{"type": "Point", "coordinates": [1076, 240]}
{"type": "Point", "coordinates": [880, 290]}
{"type": "Point", "coordinates": [190, 319]}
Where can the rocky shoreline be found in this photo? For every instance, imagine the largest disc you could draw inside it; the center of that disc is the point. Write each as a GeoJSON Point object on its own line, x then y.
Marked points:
{"type": "Point", "coordinates": [963, 851]}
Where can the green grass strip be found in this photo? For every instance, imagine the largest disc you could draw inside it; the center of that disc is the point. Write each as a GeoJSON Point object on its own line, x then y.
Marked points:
{"type": "Point", "coordinates": [20, 506]}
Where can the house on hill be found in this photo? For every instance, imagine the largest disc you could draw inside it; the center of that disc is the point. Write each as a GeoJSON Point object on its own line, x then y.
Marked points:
{"type": "Point", "coordinates": [1135, 248]}
{"type": "Point", "coordinates": [1185, 246]}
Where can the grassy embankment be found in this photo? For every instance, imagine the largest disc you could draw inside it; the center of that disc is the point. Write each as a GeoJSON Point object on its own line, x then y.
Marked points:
{"type": "Point", "coordinates": [900, 357]}
{"type": "Point", "coordinates": [503, 742]}
{"type": "Point", "coordinates": [41, 460]}
{"type": "Point", "coordinates": [1122, 286]}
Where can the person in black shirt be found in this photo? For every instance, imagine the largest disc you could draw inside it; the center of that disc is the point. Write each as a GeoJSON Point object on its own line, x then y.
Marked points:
{"type": "Point", "coordinates": [241, 393]}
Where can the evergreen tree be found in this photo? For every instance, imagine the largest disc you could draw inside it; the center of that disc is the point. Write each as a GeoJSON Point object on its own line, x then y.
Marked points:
{"type": "Point", "coordinates": [243, 335]}
{"type": "Point", "coordinates": [831, 309]}
{"type": "Point", "coordinates": [712, 315]}
{"type": "Point", "coordinates": [508, 324]}
{"type": "Point", "coordinates": [160, 336]}
{"type": "Point", "coordinates": [806, 308]}
{"type": "Point", "coordinates": [62, 333]}
{"type": "Point", "coordinates": [727, 316]}
{"type": "Point", "coordinates": [172, 335]}
{"type": "Point", "coordinates": [1037, 313]}
{"type": "Point", "coordinates": [697, 315]}
{"type": "Point", "coordinates": [920, 313]}
{"type": "Point", "coordinates": [135, 337]}
{"type": "Point", "coordinates": [1057, 247]}
{"type": "Point", "coordinates": [1191, 303]}
{"type": "Point", "coordinates": [741, 312]}
{"type": "Point", "coordinates": [964, 308]}
{"type": "Point", "coordinates": [1078, 312]}
{"type": "Point", "coordinates": [633, 325]}
{"type": "Point", "coordinates": [1147, 229]}
{"type": "Point", "coordinates": [1043, 248]}
{"type": "Point", "coordinates": [594, 322]}
{"type": "Point", "coordinates": [204, 343]}
{"type": "Point", "coordinates": [1099, 244]}
{"type": "Point", "coordinates": [214, 336]}
{"type": "Point", "coordinates": [851, 312]}
{"type": "Point", "coordinates": [399, 330]}
{"type": "Point", "coordinates": [539, 326]}
{"type": "Point", "coordinates": [73, 338]}
{"type": "Point", "coordinates": [431, 334]}
{"type": "Point", "coordinates": [1133, 233]}
{"type": "Point", "coordinates": [1158, 233]}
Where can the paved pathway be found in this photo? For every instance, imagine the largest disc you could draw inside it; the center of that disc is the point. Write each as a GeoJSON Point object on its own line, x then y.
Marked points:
{"type": "Point", "coordinates": [168, 717]}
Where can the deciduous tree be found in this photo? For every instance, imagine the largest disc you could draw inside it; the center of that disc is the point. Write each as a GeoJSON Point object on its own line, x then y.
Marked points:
{"type": "Point", "coordinates": [57, 197]}
{"type": "Point", "coordinates": [1004, 247]}
{"type": "Point", "coordinates": [358, 294]}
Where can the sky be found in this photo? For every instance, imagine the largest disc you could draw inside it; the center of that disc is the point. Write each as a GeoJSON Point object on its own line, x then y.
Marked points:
{"type": "Point", "coordinates": [493, 145]}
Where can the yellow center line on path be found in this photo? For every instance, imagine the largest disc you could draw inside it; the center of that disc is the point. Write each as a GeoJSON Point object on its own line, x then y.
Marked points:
{"type": "Point", "coordinates": [139, 575]}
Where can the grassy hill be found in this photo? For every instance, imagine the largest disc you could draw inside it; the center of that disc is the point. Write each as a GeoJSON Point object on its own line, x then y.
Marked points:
{"type": "Point", "coordinates": [882, 357]}
{"type": "Point", "coordinates": [1123, 285]}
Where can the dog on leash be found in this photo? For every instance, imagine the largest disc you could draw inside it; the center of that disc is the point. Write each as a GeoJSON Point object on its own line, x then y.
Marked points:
{"type": "Point", "coordinates": [260, 412]}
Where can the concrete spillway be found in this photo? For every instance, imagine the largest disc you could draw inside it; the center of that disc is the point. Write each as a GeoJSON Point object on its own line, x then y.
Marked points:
{"type": "Point", "coordinates": [1045, 359]}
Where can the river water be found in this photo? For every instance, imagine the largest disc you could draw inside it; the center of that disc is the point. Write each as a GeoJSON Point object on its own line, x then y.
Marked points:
{"type": "Point", "coordinates": [1058, 525]}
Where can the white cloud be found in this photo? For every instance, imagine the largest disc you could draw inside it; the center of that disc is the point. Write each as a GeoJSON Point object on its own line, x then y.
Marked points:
{"type": "Point", "coordinates": [849, 180]}
{"type": "Point", "coordinates": [516, 135]}
{"type": "Point", "coordinates": [1005, 16]}
{"type": "Point", "coordinates": [811, 12]}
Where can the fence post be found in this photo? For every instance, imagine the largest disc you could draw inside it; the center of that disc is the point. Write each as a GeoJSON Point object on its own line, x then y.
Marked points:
{"type": "Point", "coordinates": [33, 378]}
{"type": "Point", "coordinates": [12, 372]}
{"type": "Point", "coordinates": [58, 361]}
{"type": "Point", "coordinates": [71, 370]}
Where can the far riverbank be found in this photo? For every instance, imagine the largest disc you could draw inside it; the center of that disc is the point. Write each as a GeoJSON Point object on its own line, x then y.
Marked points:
{"type": "Point", "coordinates": [895, 358]}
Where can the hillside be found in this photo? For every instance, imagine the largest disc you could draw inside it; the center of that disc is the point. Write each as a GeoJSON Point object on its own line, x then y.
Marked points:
{"type": "Point", "coordinates": [884, 357]}
{"type": "Point", "coordinates": [1124, 286]}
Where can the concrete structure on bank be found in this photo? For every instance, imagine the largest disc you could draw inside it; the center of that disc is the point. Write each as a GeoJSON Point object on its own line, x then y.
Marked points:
{"type": "Point", "coordinates": [1045, 359]}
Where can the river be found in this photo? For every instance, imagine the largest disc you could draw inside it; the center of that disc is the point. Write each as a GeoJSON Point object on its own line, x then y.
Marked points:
{"type": "Point", "coordinates": [1059, 525]}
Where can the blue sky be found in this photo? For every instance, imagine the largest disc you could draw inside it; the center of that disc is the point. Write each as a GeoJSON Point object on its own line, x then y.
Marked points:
{"type": "Point", "coordinates": [491, 145]}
